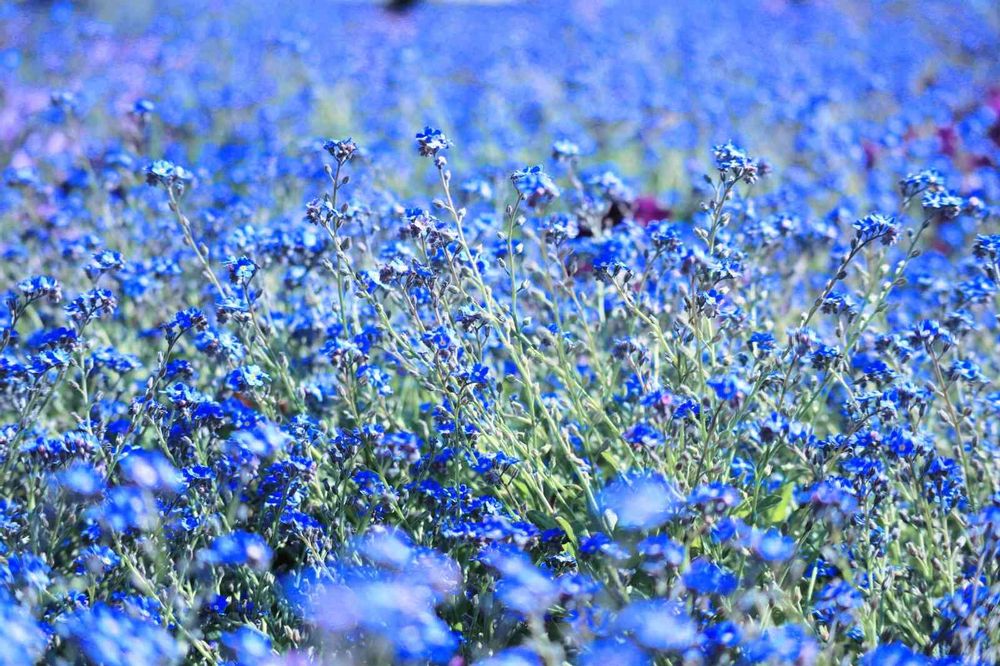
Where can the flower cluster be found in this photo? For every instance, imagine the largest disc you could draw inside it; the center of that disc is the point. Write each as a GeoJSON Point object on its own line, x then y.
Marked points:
{"type": "Point", "coordinates": [664, 398]}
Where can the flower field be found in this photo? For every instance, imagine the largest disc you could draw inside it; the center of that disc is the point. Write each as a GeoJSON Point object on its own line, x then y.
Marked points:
{"type": "Point", "coordinates": [599, 332]}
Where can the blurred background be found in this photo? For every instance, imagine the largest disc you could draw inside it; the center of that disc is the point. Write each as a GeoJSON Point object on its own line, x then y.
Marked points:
{"type": "Point", "coordinates": [647, 84]}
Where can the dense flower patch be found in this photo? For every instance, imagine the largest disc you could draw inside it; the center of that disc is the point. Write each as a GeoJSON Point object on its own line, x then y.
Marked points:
{"type": "Point", "coordinates": [617, 333]}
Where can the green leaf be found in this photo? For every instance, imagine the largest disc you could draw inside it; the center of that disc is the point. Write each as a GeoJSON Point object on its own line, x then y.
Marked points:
{"type": "Point", "coordinates": [783, 506]}
{"type": "Point", "coordinates": [767, 504]}
{"type": "Point", "coordinates": [567, 528]}
{"type": "Point", "coordinates": [542, 520]}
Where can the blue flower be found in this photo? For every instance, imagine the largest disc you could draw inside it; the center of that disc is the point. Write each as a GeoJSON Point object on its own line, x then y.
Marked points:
{"type": "Point", "coordinates": [838, 604]}
{"type": "Point", "coordinates": [24, 639]}
{"type": "Point", "coordinates": [25, 571]}
{"type": "Point", "coordinates": [90, 305]}
{"type": "Point", "coordinates": [127, 508]}
{"type": "Point", "coordinates": [237, 549]}
{"type": "Point", "coordinates": [40, 286]}
{"type": "Point", "coordinates": [722, 636]}
{"type": "Point", "coordinates": [733, 163]}
{"type": "Point", "coordinates": [601, 544]}
{"type": "Point", "coordinates": [431, 141]}
{"type": "Point", "coordinates": [150, 470]}
{"type": "Point", "coordinates": [659, 625]}
{"type": "Point", "coordinates": [522, 587]}
{"type": "Point", "coordinates": [535, 186]}
{"type": "Point", "coordinates": [610, 651]}
{"type": "Point", "coordinates": [342, 150]}
{"type": "Point", "coordinates": [241, 270]}
{"type": "Point", "coordinates": [107, 635]}
{"type": "Point", "coordinates": [81, 479]}
{"type": "Point", "coordinates": [942, 203]}
{"type": "Point", "coordinates": [876, 228]}
{"type": "Point", "coordinates": [786, 644]}
{"type": "Point", "coordinates": [103, 262]}
{"type": "Point", "coordinates": [247, 645]}
{"type": "Point", "coordinates": [263, 439]}
{"type": "Point", "coordinates": [641, 501]}
{"type": "Point", "coordinates": [714, 497]}
{"type": "Point", "coordinates": [387, 548]}
{"type": "Point", "coordinates": [894, 654]}
{"type": "Point", "coordinates": [96, 560]}
{"type": "Point", "coordinates": [247, 378]}
{"type": "Point", "coordinates": [773, 546]}
{"type": "Point", "coordinates": [660, 552]}
{"type": "Point", "coordinates": [515, 656]}
{"type": "Point", "coordinates": [167, 174]}
{"type": "Point", "coordinates": [705, 577]}
{"type": "Point", "coordinates": [762, 343]}
{"type": "Point", "coordinates": [565, 150]}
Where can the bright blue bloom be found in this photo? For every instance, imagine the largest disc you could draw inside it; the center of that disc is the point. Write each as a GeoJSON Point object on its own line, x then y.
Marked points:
{"type": "Point", "coordinates": [876, 227]}
{"type": "Point", "coordinates": [236, 549]}
{"type": "Point", "coordinates": [659, 625]}
{"type": "Point", "coordinates": [786, 644]}
{"type": "Point", "coordinates": [705, 577]}
{"type": "Point", "coordinates": [81, 479]}
{"type": "Point", "coordinates": [166, 174]}
{"type": "Point", "coordinates": [24, 639]}
{"type": "Point", "coordinates": [894, 654]}
{"type": "Point", "coordinates": [110, 636]}
{"type": "Point", "coordinates": [773, 546]}
{"type": "Point", "coordinates": [641, 501]}
{"type": "Point", "coordinates": [431, 141]}
{"type": "Point", "coordinates": [247, 645]}
{"type": "Point", "coordinates": [247, 378]}
{"type": "Point", "coordinates": [150, 470]}
{"type": "Point", "coordinates": [516, 656]}
{"type": "Point", "coordinates": [537, 188]}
